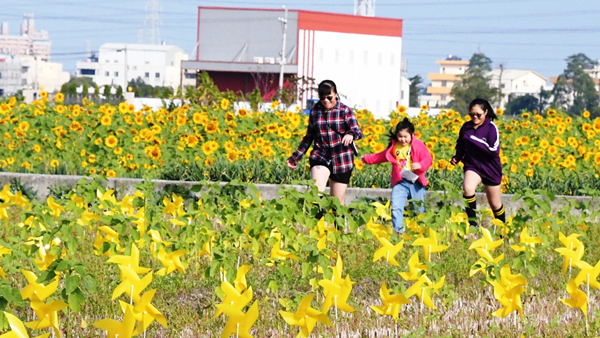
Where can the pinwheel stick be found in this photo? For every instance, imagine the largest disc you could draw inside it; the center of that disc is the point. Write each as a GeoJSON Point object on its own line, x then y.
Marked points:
{"type": "Point", "coordinates": [588, 297]}
{"type": "Point", "coordinates": [237, 331]}
{"type": "Point", "coordinates": [429, 258]}
{"type": "Point", "coordinates": [388, 257]}
{"type": "Point", "coordinates": [335, 302]}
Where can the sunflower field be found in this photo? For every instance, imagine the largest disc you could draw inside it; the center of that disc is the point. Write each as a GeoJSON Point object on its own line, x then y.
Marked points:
{"type": "Point", "coordinates": [550, 150]}
{"type": "Point", "coordinates": [222, 262]}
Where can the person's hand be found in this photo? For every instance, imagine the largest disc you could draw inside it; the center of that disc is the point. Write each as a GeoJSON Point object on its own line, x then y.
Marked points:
{"type": "Point", "coordinates": [291, 166]}
{"type": "Point", "coordinates": [453, 161]}
{"type": "Point", "coordinates": [348, 138]}
{"type": "Point", "coordinates": [362, 158]}
{"type": "Point", "coordinates": [415, 166]}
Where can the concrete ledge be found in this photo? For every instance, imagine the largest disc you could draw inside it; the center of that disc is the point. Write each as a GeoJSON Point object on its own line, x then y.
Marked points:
{"type": "Point", "coordinates": [42, 184]}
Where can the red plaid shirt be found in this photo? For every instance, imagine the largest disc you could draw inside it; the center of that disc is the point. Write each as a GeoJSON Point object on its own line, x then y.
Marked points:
{"type": "Point", "coordinates": [328, 147]}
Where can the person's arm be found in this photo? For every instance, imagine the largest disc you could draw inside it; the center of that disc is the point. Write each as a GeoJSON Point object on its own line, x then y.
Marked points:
{"type": "Point", "coordinates": [375, 158]}
{"type": "Point", "coordinates": [423, 159]}
{"type": "Point", "coordinates": [460, 147]}
{"type": "Point", "coordinates": [353, 125]}
{"type": "Point", "coordinates": [307, 140]}
{"type": "Point", "coordinates": [489, 146]}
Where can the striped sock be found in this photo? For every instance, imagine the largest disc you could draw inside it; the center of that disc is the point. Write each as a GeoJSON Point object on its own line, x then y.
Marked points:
{"type": "Point", "coordinates": [470, 209]}
{"type": "Point", "coordinates": [499, 214]}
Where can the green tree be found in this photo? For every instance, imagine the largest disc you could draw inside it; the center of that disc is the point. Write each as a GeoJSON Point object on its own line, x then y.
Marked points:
{"type": "Point", "coordinates": [574, 90]}
{"type": "Point", "coordinates": [119, 93]}
{"type": "Point", "coordinates": [415, 88]}
{"type": "Point", "coordinates": [474, 84]}
{"type": "Point", "coordinates": [544, 99]}
{"type": "Point", "coordinates": [106, 91]}
{"type": "Point", "coordinates": [526, 102]}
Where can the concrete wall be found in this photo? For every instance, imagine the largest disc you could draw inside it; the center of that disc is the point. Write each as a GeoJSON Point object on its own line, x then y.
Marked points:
{"type": "Point", "coordinates": [42, 183]}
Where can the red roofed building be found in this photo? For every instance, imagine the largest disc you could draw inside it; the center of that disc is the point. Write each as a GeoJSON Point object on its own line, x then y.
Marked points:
{"type": "Point", "coordinates": [241, 49]}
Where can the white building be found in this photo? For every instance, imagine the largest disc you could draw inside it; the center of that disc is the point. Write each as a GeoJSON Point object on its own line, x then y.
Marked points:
{"type": "Point", "coordinates": [515, 82]}
{"type": "Point", "coordinates": [118, 63]}
{"type": "Point", "coordinates": [10, 74]}
{"type": "Point", "coordinates": [41, 74]}
{"type": "Point", "coordinates": [362, 55]}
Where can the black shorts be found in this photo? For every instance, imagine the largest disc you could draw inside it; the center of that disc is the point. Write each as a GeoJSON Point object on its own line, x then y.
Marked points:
{"type": "Point", "coordinates": [340, 178]}
{"type": "Point", "coordinates": [488, 183]}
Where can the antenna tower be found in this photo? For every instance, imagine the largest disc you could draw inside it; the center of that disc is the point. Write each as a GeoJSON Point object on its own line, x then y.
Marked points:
{"type": "Point", "coordinates": [152, 21]}
{"type": "Point", "coordinates": [364, 7]}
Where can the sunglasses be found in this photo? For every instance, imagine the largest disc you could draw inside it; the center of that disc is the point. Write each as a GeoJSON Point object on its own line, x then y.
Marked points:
{"type": "Point", "coordinates": [328, 98]}
{"type": "Point", "coordinates": [475, 115]}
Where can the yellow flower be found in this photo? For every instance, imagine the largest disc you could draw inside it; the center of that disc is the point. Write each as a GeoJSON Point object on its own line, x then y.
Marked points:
{"type": "Point", "coordinates": [37, 148]}
{"type": "Point", "coordinates": [118, 151]}
{"type": "Point", "coordinates": [586, 114]}
{"type": "Point", "coordinates": [92, 171]}
{"type": "Point", "coordinates": [424, 107]}
{"type": "Point", "coordinates": [209, 161]}
{"type": "Point", "coordinates": [24, 126]}
{"type": "Point", "coordinates": [232, 156]}
{"type": "Point", "coordinates": [242, 112]}
{"type": "Point", "coordinates": [10, 160]}
{"type": "Point", "coordinates": [111, 141]}
{"type": "Point", "coordinates": [212, 127]}
{"type": "Point", "coordinates": [224, 103]}
{"type": "Point", "coordinates": [106, 120]}
{"type": "Point", "coordinates": [54, 163]}
{"type": "Point", "coordinates": [44, 94]}
{"type": "Point", "coordinates": [111, 173]}
{"type": "Point", "coordinates": [529, 172]}
{"type": "Point", "coordinates": [92, 158]}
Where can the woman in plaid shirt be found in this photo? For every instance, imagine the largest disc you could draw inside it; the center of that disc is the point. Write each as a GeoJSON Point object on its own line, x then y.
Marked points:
{"type": "Point", "coordinates": [332, 127]}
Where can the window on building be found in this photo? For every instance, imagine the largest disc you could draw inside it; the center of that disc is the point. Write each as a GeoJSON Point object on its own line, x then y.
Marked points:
{"type": "Point", "coordinates": [116, 74]}
{"type": "Point", "coordinates": [88, 72]}
{"type": "Point", "coordinates": [116, 61]}
{"type": "Point", "coordinates": [23, 82]}
{"type": "Point", "coordinates": [107, 73]}
{"type": "Point", "coordinates": [443, 70]}
{"type": "Point", "coordinates": [0, 75]}
{"type": "Point", "coordinates": [443, 97]}
{"type": "Point", "coordinates": [157, 75]}
{"type": "Point", "coordinates": [1, 92]}
{"type": "Point", "coordinates": [147, 75]}
{"type": "Point", "coordinates": [444, 83]}
{"type": "Point", "coordinates": [502, 86]}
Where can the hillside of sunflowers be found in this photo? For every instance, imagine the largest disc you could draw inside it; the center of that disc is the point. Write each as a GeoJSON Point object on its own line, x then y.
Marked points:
{"type": "Point", "coordinates": [218, 261]}
{"type": "Point", "coordinates": [541, 150]}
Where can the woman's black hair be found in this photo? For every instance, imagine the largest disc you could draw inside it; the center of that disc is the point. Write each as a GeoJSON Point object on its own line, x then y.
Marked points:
{"type": "Point", "coordinates": [485, 106]}
{"type": "Point", "coordinates": [402, 125]}
{"type": "Point", "coordinates": [327, 87]}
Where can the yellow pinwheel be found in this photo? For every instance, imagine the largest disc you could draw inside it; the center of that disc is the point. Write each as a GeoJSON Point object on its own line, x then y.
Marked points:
{"type": "Point", "coordinates": [131, 261]}
{"type": "Point", "coordinates": [588, 274]}
{"type": "Point", "coordinates": [508, 279]}
{"type": "Point", "coordinates": [306, 317]}
{"type": "Point", "coordinates": [170, 261]}
{"type": "Point", "coordinates": [174, 208]}
{"type": "Point", "coordinates": [234, 297]}
{"type": "Point", "coordinates": [526, 241]}
{"type": "Point", "coordinates": [578, 298]}
{"type": "Point", "coordinates": [485, 260]}
{"type": "Point", "coordinates": [486, 242]}
{"type": "Point", "coordinates": [509, 297]}
{"type": "Point", "coordinates": [430, 245]}
{"type": "Point", "coordinates": [240, 278]}
{"type": "Point", "coordinates": [570, 242]}
{"type": "Point", "coordinates": [46, 314]}
{"type": "Point", "coordinates": [571, 257]}
{"type": "Point", "coordinates": [239, 323]}
{"type": "Point", "coordinates": [391, 303]}
{"type": "Point", "coordinates": [116, 329]}
{"type": "Point", "coordinates": [378, 230]}
{"type": "Point", "coordinates": [279, 254]}
{"type": "Point", "coordinates": [17, 329]}
{"type": "Point", "coordinates": [56, 208]}
{"type": "Point", "coordinates": [382, 210]}
{"type": "Point", "coordinates": [131, 284]}
{"type": "Point", "coordinates": [42, 292]}
{"type": "Point", "coordinates": [414, 268]}
{"type": "Point", "coordinates": [388, 251]}
{"type": "Point", "coordinates": [423, 288]}
{"type": "Point", "coordinates": [336, 294]}
{"type": "Point", "coordinates": [145, 313]}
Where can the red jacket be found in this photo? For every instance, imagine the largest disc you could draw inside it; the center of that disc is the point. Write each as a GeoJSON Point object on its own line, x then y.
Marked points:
{"type": "Point", "coordinates": [419, 154]}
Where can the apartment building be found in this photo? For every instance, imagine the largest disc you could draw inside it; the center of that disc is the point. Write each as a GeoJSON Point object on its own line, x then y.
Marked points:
{"type": "Point", "coordinates": [442, 82]}
{"type": "Point", "coordinates": [516, 82]}
{"type": "Point", "coordinates": [29, 42]}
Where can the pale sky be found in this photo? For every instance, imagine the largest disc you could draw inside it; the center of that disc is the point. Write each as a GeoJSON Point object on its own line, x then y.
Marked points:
{"type": "Point", "coordinates": [522, 34]}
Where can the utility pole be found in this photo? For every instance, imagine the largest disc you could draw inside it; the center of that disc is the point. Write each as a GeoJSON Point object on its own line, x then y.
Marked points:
{"type": "Point", "coordinates": [282, 60]}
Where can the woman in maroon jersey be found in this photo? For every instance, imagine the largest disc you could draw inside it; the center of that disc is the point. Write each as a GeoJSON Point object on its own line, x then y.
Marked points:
{"type": "Point", "coordinates": [332, 127]}
{"type": "Point", "coordinates": [478, 147]}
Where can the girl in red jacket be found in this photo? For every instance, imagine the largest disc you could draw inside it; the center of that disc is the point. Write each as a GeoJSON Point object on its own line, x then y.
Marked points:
{"type": "Point", "coordinates": [410, 160]}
